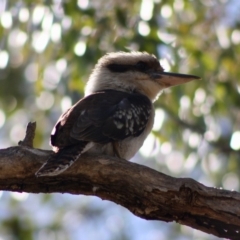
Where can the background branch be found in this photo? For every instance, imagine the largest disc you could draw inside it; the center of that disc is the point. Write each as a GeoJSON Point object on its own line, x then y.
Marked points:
{"type": "Point", "coordinates": [221, 144]}
{"type": "Point", "coordinates": [145, 192]}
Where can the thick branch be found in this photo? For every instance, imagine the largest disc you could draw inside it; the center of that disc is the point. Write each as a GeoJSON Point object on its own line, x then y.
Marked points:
{"type": "Point", "coordinates": [144, 191]}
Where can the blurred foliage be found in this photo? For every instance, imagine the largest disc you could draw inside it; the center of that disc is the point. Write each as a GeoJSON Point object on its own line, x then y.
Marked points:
{"type": "Point", "coordinates": [47, 51]}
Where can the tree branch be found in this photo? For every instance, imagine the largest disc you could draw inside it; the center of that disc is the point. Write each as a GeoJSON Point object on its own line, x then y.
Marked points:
{"type": "Point", "coordinates": [145, 192]}
{"type": "Point", "coordinates": [30, 134]}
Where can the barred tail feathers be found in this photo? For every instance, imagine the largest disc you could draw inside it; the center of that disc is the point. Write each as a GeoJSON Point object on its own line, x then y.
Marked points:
{"type": "Point", "coordinates": [62, 160]}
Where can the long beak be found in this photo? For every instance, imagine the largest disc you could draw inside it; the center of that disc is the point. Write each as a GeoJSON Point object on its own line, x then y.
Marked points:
{"type": "Point", "coordinates": [168, 79]}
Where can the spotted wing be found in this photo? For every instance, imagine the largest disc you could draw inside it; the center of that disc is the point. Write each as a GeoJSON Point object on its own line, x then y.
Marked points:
{"type": "Point", "coordinates": [104, 117]}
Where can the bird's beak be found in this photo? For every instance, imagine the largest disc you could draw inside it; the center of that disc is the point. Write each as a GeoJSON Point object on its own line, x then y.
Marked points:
{"type": "Point", "coordinates": [168, 79]}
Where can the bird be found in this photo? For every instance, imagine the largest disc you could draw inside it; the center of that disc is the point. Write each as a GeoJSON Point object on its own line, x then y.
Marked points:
{"type": "Point", "coordinates": [116, 114]}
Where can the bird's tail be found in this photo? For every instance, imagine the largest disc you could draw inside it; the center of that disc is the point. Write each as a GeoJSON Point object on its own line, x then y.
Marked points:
{"type": "Point", "coordinates": [60, 161]}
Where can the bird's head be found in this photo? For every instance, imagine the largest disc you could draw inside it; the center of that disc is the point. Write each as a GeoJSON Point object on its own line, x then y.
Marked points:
{"type": "Point", "coordinates": [134, 71]}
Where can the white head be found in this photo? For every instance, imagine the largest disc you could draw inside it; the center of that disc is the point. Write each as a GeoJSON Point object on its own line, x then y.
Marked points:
{"type": "Point", "coordinates": [134, 71]}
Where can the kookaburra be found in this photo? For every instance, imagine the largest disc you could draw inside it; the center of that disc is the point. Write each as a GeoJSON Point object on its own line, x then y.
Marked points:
{"type": "Point", "coordinates": [116, 114]}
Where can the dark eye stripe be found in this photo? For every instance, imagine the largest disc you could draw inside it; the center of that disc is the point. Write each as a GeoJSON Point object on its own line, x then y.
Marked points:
{"type": "Point", "coordinates": [119, 67]}
{"type": "Point", "coordinates": [140, 66]}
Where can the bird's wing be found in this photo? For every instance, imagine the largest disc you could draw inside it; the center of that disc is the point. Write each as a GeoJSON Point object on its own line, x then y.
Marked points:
{"type": "Point", "coordinates": [111, 115]}
{"type": "Point", "coordinates": [105, 116]}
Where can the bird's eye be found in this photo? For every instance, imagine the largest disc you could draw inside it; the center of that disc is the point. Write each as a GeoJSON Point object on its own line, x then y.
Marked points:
{"type": "Point", "coordinates": [142, 66]}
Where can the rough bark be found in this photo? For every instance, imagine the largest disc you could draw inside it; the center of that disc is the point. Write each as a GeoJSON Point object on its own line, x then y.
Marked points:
{"type": "Point", "coordinates": [145, 192]}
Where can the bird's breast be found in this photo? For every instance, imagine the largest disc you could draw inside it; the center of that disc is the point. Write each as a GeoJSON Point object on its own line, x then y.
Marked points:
{"type": "Point", "coordinates": [126, 148]}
